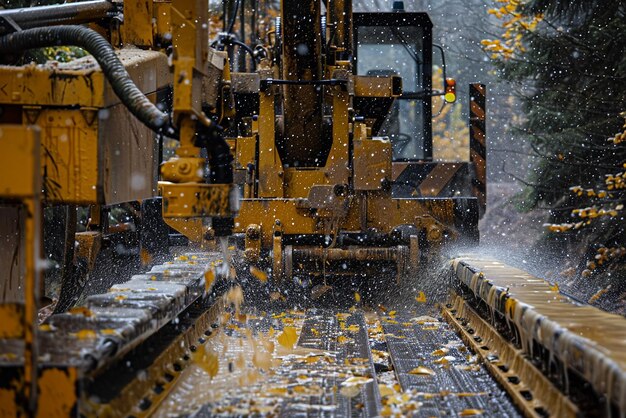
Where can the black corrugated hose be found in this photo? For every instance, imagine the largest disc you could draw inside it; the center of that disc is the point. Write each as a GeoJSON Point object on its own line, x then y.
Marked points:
{"type": "Point", "coordinates": [113, 69]}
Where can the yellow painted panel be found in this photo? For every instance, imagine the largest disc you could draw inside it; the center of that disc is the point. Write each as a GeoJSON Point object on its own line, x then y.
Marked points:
{"type": "Point", "coordinates": [19, 161]}
{"type": "Point", "coordinates": [57, 393]}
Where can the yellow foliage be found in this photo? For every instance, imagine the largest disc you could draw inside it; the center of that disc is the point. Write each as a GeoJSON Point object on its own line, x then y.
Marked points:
{"type": "Point", "coordinates": [288, 337]}
{"type": "Point", "coordinates": [515, 25]}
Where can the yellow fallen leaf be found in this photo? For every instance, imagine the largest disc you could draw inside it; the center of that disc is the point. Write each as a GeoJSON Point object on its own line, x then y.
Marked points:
{"type": "Point", "coordinates": [312, 360]}
{"type": "Point", "coordinates": [421, 370]}
{"type": "Point", "coordinates": [277, 391]}
{"type": "Point", "coordinates": [85, 334]}
{"type": "Point", "coordinates": [392, 313]}
{"type": "Point", "coordinates": [315, 332]}
{"type": "Point", "coordinates": [81, 310]}
{"type": "Point", "coordinates": [354, 328]}
{"type": "Point", "coordinates": [45, 327]}
{"type": "Point", "coordinates": [440, 352]}
{"type": "Point", "coordinates": [554, 287]}
{"type": "Point", "coordinates": [593, 299]}
{"type": "Point", "coordinates": [120, 298]}
{"type": "Point", "coordinates": [259, 274]}
{"type": "Point", "coordinates": [342, 339]}
{"type": "Point", "coordinates": [470, 412]}
{"type": "Point", "coordinates": [288, 337]}
{"type": "Point", "coordinates": [356, 381]}
{"type": "Point", "coordinates": [423, 319]}
{"type": "Point", "coordinates": [350, 391]}
{"type": "Point", "coordinates": [208, 360]}
{"type": "Point", "coordinates": [421, 297]}
{"type": "Point", "coordinates": [385, 390]}
{"type": "Point", "coordinates": [386, 411]}
{"type": "Point", "coordinates": [183, 258]}
{"type": "Point", "coordinates": [445, 360]}
{"type": "Point", "coordinates": [357, 297]}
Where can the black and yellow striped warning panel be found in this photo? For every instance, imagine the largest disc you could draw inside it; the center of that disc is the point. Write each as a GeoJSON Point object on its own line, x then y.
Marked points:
{"type": "Point", "coordinates": [478, 143]}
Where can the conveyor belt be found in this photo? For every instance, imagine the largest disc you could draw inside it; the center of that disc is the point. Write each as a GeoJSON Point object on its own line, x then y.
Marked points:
{"type": "Point", "coordinates": [340, 348]}
{"type": "Point", "coordinates": [457, 383]}
{"type": "Point", "coordinates": [356, 347]}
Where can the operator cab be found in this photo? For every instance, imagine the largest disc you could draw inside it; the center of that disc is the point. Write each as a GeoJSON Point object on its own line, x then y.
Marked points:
{"type": "Point", "coordinates": [398, 43]}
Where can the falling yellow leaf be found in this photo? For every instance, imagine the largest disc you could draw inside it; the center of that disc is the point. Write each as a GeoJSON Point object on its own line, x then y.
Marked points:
{"type": "Point", "coordinates": [209, 279]}
{"type": "Point", "coordinates": [554, 287]}
{"type": "Point", "coordinates": [45, 327]}
{"type": "Point", "coordinates": [421, 297]}
{"type": "Point", "coordinates": [315, 332]}
{"type": "Point", "coordinates": [208, 360]}
{"type": "Point", "coordinates": [421, 370]}
{"type": "Point", "coordinates": [342, 339]}
{"type": "Point", "coordinates": [145, 256]}
{"type": "Point", "coordinates": [259, 274]}
{"type": "Point", "coordinates": [288, 337]}
{"type": "Point", "coordinates": [262, 359]}
{"type": "Point", "coordinates": [470, 412]}
{"type": "Point", "coordinates": [235, 296]}
{"type": "Point", "coordinates": [357, 297]}
{"type": "Point", "coordinates": [392, 313]}
{"type": "Point", "coordinates": [274, 296]}
{"type": "Point", "coordinates": [183, 258]}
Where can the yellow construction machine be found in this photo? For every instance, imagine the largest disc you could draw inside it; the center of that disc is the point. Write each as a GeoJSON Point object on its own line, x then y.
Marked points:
{"type": "Point", "coordinates": [332, 148]}
{"type": "Point", "coordinates": [316, 163]}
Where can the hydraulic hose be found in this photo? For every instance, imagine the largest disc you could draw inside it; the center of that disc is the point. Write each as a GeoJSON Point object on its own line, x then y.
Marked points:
{"type": "Point", "coordinates": [113, 69]}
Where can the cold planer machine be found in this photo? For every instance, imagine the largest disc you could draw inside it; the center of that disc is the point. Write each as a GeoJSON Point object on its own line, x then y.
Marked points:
{"type": "Point", "coordinates": [333, 149]}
